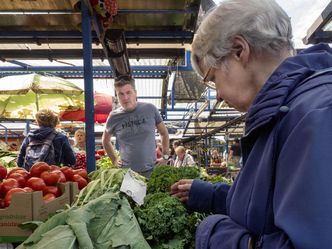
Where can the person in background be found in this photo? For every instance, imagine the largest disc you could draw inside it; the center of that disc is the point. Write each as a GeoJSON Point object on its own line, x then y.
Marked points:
{"type": "Point", "coordinates": [133, 125]}
{"type": "Point", "coordinates": [175, 144]}
{"type": "Point", "coordinates": [190, 152]}
{"type": "Point", "coordinates": [159, 150]}
{"type": "Point", "coordinates": [182, 158]}
{"type": "Point", "coordinates": [281, 199]}
{"type": "Point", "coordinates": [215, 159]}
{"type": "Point", "coordinates": [47, 120]}
{"type": "Point", "coordinates": [235, 153]}
{"type": "Point", "coordinates": [79, 137]}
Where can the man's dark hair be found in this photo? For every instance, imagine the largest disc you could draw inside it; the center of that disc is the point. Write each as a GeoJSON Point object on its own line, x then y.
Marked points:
{"type": "Point", "coordinates": [123, 80]}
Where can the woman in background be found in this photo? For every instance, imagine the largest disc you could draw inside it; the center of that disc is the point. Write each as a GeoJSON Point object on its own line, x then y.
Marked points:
{"type": "Point", "coordinates": [79, 140]}
{"type": "Point", "coordinates": [63, 153]}
{"type": "Point", "coordinates": [182, 158]}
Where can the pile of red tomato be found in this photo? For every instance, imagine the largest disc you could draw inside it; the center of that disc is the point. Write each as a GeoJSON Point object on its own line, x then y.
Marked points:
{"type": "Point", "coordinates": [41, 177]}
{"type": "Point", "coordinates": [81, 158]}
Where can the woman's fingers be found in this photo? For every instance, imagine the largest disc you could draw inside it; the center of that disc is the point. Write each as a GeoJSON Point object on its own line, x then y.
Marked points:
{"type": "Point", "coordinates": [181, 189]}
{"type": "Point", "coordinates": [184, 184]}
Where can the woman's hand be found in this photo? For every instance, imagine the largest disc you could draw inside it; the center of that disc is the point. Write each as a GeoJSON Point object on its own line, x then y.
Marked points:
{"type": "Point", "coordinates": [181, 189]}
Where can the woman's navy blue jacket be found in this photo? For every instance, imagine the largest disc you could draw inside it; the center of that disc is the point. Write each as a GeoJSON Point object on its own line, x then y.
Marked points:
{"type": "Point", "coordinates": [282, 195]}
{"type": "Point", "coordinates": [63, 151]}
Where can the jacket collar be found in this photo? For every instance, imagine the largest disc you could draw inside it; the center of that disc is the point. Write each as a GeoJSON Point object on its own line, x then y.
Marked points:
{"type": "Point", "coordinates": [283, 81]}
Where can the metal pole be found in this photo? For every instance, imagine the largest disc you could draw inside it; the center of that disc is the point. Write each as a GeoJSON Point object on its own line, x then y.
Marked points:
{"type": "Point", "coordinates": [88, 87]}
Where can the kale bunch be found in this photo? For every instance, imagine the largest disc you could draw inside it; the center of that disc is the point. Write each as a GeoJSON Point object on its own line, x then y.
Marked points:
{"type": "Point", "coordinates": [164, 221]}
{"type": "Point", "coordinates": [163, 177]}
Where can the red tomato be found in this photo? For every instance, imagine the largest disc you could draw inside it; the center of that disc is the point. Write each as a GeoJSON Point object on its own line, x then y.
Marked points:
{"type": "Point", "coordinates": [81, 172]}
{"type": "Point", "coordinates": [62, 177]}
{"type": "Point", "coordinates": [49, 197]}
{"type": "Point", "coordinates": [10, 193]}
{"type": "Point", "coordinates": [28, 189]}
{"type": "Point", "coordinates": [80, 181]}
{"type": "Point", "coordinates": [68, 172]}
{"type": "Point", "coordinates": [54, 167]}
{"type": "Point", "coordinates": [53, 190]}
{"type": "Point", "coordinates": [21, 171]}
{"type": "Point", "coordinates": [51, 178]}
{"type": "Point", "coordinates": [15, 169]}
{"type": "Point", "coordinates": [8, 184]}
{"type": "Point", "coordinates": [97, 156]}
{"type": "Point", "coordinates": [19, 178]}
{"type": "Point", "coordinates": [3, 172]}
{"type": "Point", "coordinates": [101, 152]}
{"type": "Point", "coordinates": [36, 183]}
{"type": "Point", "coordinates": [39, 168]}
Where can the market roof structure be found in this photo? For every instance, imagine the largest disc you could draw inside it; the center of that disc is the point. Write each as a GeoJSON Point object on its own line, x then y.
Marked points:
{"type": "Point", "coordinates": [321, 29]}
{"type": "Point", "coordinates": [146, 38]}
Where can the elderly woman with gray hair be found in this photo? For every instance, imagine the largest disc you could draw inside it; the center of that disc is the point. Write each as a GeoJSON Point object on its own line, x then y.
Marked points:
{"type": "Point", "coordinates": [183, 159]}
{"type": "Point", "coordinates": [282, 197]}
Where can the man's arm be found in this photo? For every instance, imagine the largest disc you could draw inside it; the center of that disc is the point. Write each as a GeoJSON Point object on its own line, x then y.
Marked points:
{"type": "Point", "coordinates": [161, 127]}
{"type": "Point", "coordinates": [107, 144]}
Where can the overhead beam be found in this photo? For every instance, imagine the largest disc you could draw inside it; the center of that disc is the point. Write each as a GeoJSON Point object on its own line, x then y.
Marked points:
{"type": "Point", "coordinates": [135, 37]}
{"type": "Point", "coordinates": [230, 123]}
{"type": "Point", "coordinates": [151, 72]}
{"type": "Point", "coordinates": [315, 33]}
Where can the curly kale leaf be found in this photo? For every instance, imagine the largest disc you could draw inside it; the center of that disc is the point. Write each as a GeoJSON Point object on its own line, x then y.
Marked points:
{"type": "Point", "coordinates": [161, 217]}
{"type": "Point", "coordinates": [163, 177]}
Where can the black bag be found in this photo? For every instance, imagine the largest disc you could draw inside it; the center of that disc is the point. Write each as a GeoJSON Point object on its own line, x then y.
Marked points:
{"type": "Point", "coordinates": [40, 151]}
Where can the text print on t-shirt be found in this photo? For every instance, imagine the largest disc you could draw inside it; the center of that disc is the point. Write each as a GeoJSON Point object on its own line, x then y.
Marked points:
{"type": "Point", "coordinates": [132, 125]}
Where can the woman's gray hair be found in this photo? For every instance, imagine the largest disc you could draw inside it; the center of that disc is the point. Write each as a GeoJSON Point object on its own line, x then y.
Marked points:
{"type": "Point", "coordinates": [262, 23]}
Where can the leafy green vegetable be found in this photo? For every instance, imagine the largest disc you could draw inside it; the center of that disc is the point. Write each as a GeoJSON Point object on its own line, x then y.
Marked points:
{"type": "Point", "coordinates": [162, 219]}
{"type": "Point", "coordinates": [108, 180]}
{"type": "Point", "coordinates": [56, 220]}
{"type": "Point", "coordinates": [105, 162]}
{"type": "Point", "coordinates": [163, 177]}
{"type": "Point", "coordinates": [219, 179]}
{"type": "Point", "coordinates": [111, 223]}
{"type": "Point", "coordinates": [59, 237]}
{"type": "Point", "coordinates": [105, 222]}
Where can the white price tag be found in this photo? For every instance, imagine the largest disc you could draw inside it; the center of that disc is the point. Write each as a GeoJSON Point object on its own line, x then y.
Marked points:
{"type": "Point", "coordinates": [134, 188]}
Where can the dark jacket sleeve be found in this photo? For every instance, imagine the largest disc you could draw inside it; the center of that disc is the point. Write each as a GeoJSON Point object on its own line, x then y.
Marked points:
{"type": "Point", "coordinates": [68, 153]}
{"type": "Point", "coordinates": [21, 155]}
{"type": "Point", "coordinates": [221, 232]}
{"type": "Point", "coordinates": [207, 197]}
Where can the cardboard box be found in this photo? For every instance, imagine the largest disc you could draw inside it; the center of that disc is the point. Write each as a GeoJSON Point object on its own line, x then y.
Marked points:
{"type": "Point", "coordinates": [74, 191]}
{"type": "Point", "coordinates": [29, 207]}
{"type": "Point", "coordinates": [42, 210]}
{"type": "Point", "coordinates": [19, 211]}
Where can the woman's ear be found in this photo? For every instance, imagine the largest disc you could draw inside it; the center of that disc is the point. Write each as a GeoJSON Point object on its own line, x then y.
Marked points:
{"type": "Point", "coordinates": [241, 49]}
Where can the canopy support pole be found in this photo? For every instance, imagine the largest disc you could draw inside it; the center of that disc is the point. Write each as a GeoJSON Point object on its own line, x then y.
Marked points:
{"type": "Point", "coordinates": [88, 89]}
